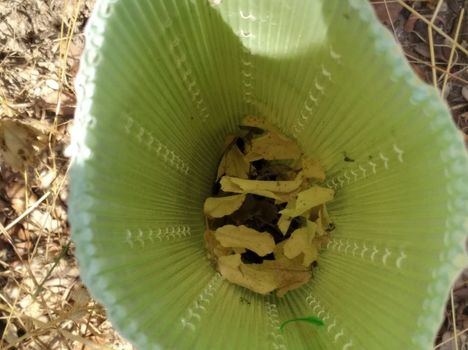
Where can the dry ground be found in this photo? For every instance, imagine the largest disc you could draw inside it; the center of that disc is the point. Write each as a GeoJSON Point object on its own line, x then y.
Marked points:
{"type": "Point", "coordinates": [43, 304]}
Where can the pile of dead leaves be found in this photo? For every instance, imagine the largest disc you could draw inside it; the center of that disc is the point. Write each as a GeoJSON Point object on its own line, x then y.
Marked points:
{"type": "Point", "coordinates": [267, 219]}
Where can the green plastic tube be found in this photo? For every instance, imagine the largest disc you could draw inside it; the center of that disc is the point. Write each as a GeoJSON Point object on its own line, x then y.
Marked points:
{"type": "Point", "coordinates": [160, 85]}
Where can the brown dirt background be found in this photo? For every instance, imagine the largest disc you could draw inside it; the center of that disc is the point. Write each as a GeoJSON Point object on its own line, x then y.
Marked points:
{"type": "Point", "coordinates": [43, 304]}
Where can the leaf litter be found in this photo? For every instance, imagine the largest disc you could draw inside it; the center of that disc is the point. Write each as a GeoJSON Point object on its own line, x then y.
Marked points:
{"type": "Point", "coordinates": [267, 219]}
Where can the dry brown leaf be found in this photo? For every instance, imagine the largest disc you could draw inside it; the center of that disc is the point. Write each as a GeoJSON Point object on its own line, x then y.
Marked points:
{"type": "Point", "coordinates": [410, 23]}
{"type": "Point", "coordinates": [232, 236]}
{"type": "Point", "coordinates": [20, 143]}
{"type": "Point", "coordinates": [229, 140]}
{"type": "Point", "coordinates": [302, 241]}
{"type": "Point", "coordinates": [285, 220]}
{"type": "Point", "coordinates": [229, 268]}
{"type": "Point", "coordinates": [234, 164]}
{"type": "Point", "coordinates": [272, 146]}
{"type": "Point", "coordinates": [239, 250]}
{"type": "Point", "coordinates": [247, 276]}
{"type": "Point", "coordinates": [323, 221]}
{"type": "Point", "coordinates": [320, 227]}
{"type": "Point", "coordinates": [258, 279]}
{"type": "Point", "coordinates": [227, 185]}
{"type": "Point", "coordinates": [308, 199]}
{"type": "Point", "coordinates": [259, 282]}
{"type": "Point", "coordinates": [283, 223]}
{"type": "Point", "coordinates": [292, 196]}
{"type": "Point", "coordinates": [231, 261]}
{"type": "Point", "coordinates": [286, 264]}
{"type": "Point", "coordinates": [387, 12]}
{"type": "Point", "coordinates": [215, 249]}
{"type": "Point", "coordinates": [263, 279]}
{"type": "Point", "coordinates": [279, 251]}
{"type": "Point", "coordinates": [270, 189]}
{"type": "Point", "coordinates": [217, 207]}
{"type": "Point", "coordinates": [312, 169]}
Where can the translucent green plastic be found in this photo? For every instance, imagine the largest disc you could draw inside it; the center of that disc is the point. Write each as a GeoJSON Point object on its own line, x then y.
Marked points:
{"type": "Point", "coordinates": [160, 85]}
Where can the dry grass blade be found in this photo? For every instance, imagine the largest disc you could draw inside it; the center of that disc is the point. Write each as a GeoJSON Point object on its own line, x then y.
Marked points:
{"type": "Point", "coordinates": [44, 327]}
{"type": "Point", "coordinates": [431, 42]}
{"type": "Point", "coordinates": [390, 19]}
{"type": "Point", "coordinates": [57, 260]}
{"type": "Point", "coordinates": [450, 339]}
{"type": "Point", "coordinates": [452, 52]}
{"type": "Point", "coordinates": [10, 316]}
{"type": "Point", "coordinates": [28, 211]}
{"type": "Point", "coordinates": [65, 51]}
{"type": "Point", "coordinates": [419, 61]}
{"type": "Point", "coordinates": [454, 320]}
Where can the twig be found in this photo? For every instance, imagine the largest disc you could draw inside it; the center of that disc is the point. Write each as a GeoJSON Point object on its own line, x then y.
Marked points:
{"type": "Point", "coordinates": [452, 51]}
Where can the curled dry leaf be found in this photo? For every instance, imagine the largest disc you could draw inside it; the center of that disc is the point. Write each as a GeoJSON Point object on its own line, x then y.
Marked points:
{"type": "Point", "coordinates": [312, 169]}
{"type": "Point", "coordinates": [308, 199]}
{"type": "Point", "coordinates": [261, 278]}
{"type": "Point", "coordinates": [231, 261]}
{"type": "Point", "coordinates": [272, 146]}
{"type": "Point", "coordinates": [284, 263]}
{"type": "Point", "coordinates": [232, 236]}
{"type": "Point", "coordinates": [283, 223]}
{"type": "Point", "coordinates": [227, 185]}
{"type": "Point", "coordinates": [285, 220]}
{"type": "Point", "coordinates": [228, 267]}
{"type": "Point", "coordinates": [234, 164]}
{"type": "Point", "coordinates": [217, 207]}
{"type": "Point", "coordinates": [261, 282]}
{"type": "Point", "coordinates": [302, 241]}
{"type": "Point", "coordinates": [270, 279]}
{"type": "Point", "coordinates": [215, 249]}
{"type": "Point", "coordinates": [229, 140]}
{"type": "Point", "coordinates": [323, 221]}
{"type": "Point", "coordinates": [270, 189]}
